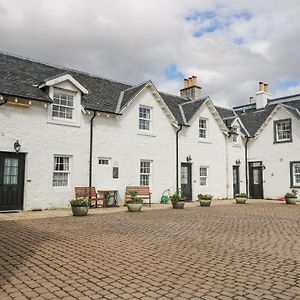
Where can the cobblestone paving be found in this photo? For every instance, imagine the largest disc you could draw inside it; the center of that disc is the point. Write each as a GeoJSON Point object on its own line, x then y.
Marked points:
{"type": "Point", "coordinates": [223, 252]}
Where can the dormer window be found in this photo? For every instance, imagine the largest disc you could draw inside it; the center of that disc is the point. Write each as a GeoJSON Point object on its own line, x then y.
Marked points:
{"type": "Point", "coordinates": [283, 131]}
{"type": "Point", "coordinates": [63, 104]}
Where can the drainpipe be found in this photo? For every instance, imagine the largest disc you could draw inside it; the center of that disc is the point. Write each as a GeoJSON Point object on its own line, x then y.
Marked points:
{"type": "Point", "coordinates": [177, 170]}
{"type": "Point", "coordinates": [246, 164]}
{"type": "Point", "coordinates": [91, 151]}
{"type": "Point", "coordinates": [227, 167]}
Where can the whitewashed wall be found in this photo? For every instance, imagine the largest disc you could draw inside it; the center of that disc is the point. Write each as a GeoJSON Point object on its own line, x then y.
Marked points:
{"type": "Point", "coordinates": [276, 157]}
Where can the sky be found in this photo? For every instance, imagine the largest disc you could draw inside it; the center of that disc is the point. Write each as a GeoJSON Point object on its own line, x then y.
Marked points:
{"type": "Point", "coordinates": [229, 45]}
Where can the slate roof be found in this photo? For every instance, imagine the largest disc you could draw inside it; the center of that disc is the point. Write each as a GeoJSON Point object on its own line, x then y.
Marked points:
{"type": "Point", "coordinates": [191, 107]}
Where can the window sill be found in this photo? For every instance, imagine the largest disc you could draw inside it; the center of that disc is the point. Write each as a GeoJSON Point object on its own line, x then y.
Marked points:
{"type": "Point", "coordinates": [282, 142]}
{"type": "Point", "coordinates": [204, 142]}
{"type": "Point", "coordinates": [236, 146]}
{"type": "Point", "coordinates": [64, 123]}
{"type": "Point", "coordinates": [146, 134]}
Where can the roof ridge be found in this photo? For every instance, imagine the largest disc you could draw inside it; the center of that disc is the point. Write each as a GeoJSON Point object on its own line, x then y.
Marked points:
{"type": "Point", "coordinates": [62, 67]}
{"type": "Point", "coordinates": [169, 94]}
{"type": "Point", "coordinates": [135, 86]}
{"type": "Point", "coordinates": [224, 107]}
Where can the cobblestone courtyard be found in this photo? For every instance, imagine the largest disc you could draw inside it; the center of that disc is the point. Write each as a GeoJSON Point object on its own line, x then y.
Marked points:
{"type": "Point", "coordinates": [233, 251]}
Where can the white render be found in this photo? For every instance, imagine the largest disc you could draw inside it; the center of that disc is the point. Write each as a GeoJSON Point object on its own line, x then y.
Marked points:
{"type": "Point", "coordinates": [118, 138]}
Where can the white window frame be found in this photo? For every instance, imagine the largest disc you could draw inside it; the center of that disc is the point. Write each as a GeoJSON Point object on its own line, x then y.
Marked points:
{"type": "Point", "coordinates": [235, 134]}
{"type": "Point", "coordinates": [203, 176]}
{"type": "Point", "coordinates": [279, 131]}
{"type": "Point", "coordinates": [65, 106]}
{"type": "Point", "coordinates": [203, 129]}
{"type": "Point", "coordinates": [147, 175]}
{"type": "Point", "coordinates": [293, 166]}
{"type": "Point", "coordinates": [145, 119]}
{"type": "Point", "coordinates": [101, 161]}
{"type": "Point", "coordinates": [66, 172]}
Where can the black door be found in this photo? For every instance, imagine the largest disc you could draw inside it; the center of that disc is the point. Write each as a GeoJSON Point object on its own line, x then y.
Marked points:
{"type": "Point", "coordinates": [12, 167]}
{"type": "Point", "coordinates": [186, 181]}
{"type": "Point", "coordinates": [236, 180]}
{"type": "Point", "coordinates": [256, 180]}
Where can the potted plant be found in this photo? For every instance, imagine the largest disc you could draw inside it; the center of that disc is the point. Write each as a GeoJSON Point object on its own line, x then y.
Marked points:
{"type": "Point", "coordinates": [134, 204]}
{"type": "Point", "coordinates": [240, 198]}
{"type": "Point", "coordinates": [80, 207]}
{"type": "Point", "coordinates": [291, 198]}
{"type": "Point", "coordinates": [177, 201]}
{"type": "Point", "coordinates": [205, 199]}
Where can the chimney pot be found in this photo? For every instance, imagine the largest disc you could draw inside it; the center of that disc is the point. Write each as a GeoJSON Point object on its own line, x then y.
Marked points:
{"type": "Point", "coordinates": [266, 88]}
{"type": "Point", "coordinates": [261, 86]}
{"type": "Point", "coordinates": [194, 80]}
{"type": "Point", "coordinates": [185, 83]}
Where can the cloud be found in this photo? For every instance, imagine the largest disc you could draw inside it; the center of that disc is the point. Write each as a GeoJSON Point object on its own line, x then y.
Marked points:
{"type": "Point", "coordinates": [229, 45]}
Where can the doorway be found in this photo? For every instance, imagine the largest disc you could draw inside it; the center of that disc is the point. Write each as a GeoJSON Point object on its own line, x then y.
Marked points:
{"type": "Point", "coordinates": [186, 181]}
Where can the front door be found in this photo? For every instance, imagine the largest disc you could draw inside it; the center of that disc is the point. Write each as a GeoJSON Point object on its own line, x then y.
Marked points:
{"type": "Point", "coordinates": [186, 181]}
{"type": "Point", "coordinates": [12, 167]}
{"type": "Point", "coordinates": [236, 180]}
{"type": "Point", "coordinates": [256, 180]}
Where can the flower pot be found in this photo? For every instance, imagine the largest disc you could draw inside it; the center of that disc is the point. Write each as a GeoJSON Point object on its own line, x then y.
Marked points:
{"type": "Point", "coordinates": [134, 207]}
{"type": "Point", "coordinates": [80, 210]}
{"type": "Point", "coordinates": [240, 200]}
{"type": "Point", "coordinates": [205, 202]}
{"type": "Point", "coordinates": [290, 200]}
{"type": "Point", "coordinates": [178, 204]}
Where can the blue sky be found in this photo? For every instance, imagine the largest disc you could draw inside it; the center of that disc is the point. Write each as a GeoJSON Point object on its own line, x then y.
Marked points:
{"type": "Point", "coordinates": [230, 45]}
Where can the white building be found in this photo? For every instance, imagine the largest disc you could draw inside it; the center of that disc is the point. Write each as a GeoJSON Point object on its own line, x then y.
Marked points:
{"type": "Point", "coordinates": [75, 129]}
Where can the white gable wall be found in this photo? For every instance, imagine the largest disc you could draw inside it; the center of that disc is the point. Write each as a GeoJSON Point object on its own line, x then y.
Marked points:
{"type": "Point", "coordinates": [276, 157]}
{"type": "Point", "coordinates": [122, 141]}
{"type": "Point", "coordinates": [210, 153]}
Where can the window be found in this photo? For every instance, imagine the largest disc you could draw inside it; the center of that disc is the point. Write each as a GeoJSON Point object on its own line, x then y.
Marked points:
{"type": "Point", "coordinates": [235, 135]}
{"type": "Point", "coordinates": [144, 118]}
{"type": "Point", "coordinates": [63, 104]}
{"type": "Point", "coordinates": [104, 161]}
{"type": "Point", "coordinates": [61, 171]}
{"type": "Point", "coordinates": [282, 131]}
{"type": "Point", "coordinates": [202, 128]}
{"type": "Point", "coordinates": [203, 176]}
{"type": "Point", "coordinates": [145, 172]}
{"type": "Point", "coordinates": [295, 173]}
{"type": "Point", "coordinates": [10, 175]}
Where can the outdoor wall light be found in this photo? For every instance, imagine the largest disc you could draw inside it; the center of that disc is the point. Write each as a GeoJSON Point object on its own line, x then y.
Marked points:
{"type": "Point", "coordinates": [17, 146]}
{"type": "Point", "coordinates": [188, 158]}
{"type": "Point", "coordinates": [238, 161]}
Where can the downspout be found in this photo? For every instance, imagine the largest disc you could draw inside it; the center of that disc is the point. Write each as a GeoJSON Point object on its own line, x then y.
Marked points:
{"type": "Point", "coordinates": [91, 150]}
{"type": "Point", "coordinates": [246, 165]}
{"type": "Point", "coordinates": [227, 167]}
{"type": "Point", "coordinates": [177, 164]}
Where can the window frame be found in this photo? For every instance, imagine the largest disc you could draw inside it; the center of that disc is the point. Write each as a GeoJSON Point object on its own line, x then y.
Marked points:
{"type": "Point", "coordinates": [149, 174]}
{"type": "Point", "coordinates": [145, 119]}
{"type": "Point", "coordinates": [68, 172]}
{"type": "Point", "coordinates": [203, 176]}
{"type": "Point", "coordinates": [203, 129]}
{"type": "Point", "coordinates": [293, 184]}
{"type": "Point", "coordinates": [68, 93]}
{"type": "Point", "coordinates": [275, 124]}
{"type": "Point", "coordinates": [108, 159]}
{"type": "Point", "coordinates": [235, 135]}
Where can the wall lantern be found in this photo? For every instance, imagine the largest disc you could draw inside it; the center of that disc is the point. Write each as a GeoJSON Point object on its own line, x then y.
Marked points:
{"type": "Point", "coordinates": [17, 146]}
{"type": "Point", "coordinates": [188, 158]}
{"type": "Point", "coordinates": [238, 161]}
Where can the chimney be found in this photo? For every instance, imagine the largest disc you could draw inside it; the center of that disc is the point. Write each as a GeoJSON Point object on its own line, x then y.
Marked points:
{"type": "Point", "coordinates": [191, 89]}
{"type": "Point", "coordinates": [261, 97]}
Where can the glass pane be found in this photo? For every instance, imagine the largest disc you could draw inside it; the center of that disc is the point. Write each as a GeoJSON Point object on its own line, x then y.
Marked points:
{"type": "Point", "coordinates": [256, 177]}
{"type": "Point", "coordinates": [10, 175]}
{"type": "Point", "coordinates": [184, 175]}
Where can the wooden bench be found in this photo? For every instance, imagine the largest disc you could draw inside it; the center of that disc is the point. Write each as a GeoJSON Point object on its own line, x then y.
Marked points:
{"type": "Point", "coordinates": [86, 192]}
{"type": "Point", "coordinates": [142, 192]}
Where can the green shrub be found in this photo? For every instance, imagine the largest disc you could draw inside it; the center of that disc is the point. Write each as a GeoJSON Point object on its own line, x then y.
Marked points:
{"type": "Point", "coordinates": [133, 194]}
{"type": "Point", "coordinates": [241, 195]}
{"type": "Point", "coordinates": [82, 202]}
{"type": "Point", "coordinates": [135, 201]}
{"type": "Point", "coordinates": [204, 197]}
{"type": "Point", "coordinates": [175, 197]}
{"type": "Point", "coordinates": [292, 194]}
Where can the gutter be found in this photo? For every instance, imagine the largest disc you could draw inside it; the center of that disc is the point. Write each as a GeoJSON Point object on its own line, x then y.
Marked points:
{"type": "Point", "coordinates": [91, 151]}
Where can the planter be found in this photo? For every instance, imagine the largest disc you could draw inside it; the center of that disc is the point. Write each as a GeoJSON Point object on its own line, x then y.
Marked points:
{"type": "Point", "coordinates": [205, 202]}
{"type": "Point", "coordinates": [290, 200]}
{"type": "Point", "coordinates": [80, 210]}
{"type": "Point", "coordinates": [178, 204]}
{"type": "Point", "coordinates": [240, 200]}
{"type": "Point", "coordinates": [134, 207]}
